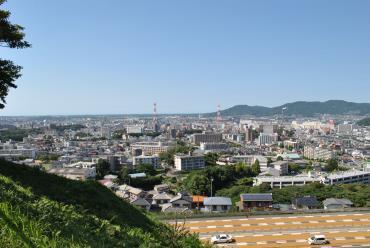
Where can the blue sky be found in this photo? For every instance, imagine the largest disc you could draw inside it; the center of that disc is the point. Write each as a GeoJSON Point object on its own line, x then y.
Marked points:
{"type": "Point", "coordinates": [97, 57]}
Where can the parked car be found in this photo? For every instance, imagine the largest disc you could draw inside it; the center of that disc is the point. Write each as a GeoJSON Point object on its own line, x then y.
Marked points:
{"type": "Point", "coordinates": [318, 240]}
{"type": "Point", "coordinates": [222, 238]}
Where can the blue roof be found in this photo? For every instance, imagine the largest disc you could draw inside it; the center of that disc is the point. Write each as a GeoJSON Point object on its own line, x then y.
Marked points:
{"type": "Point", "coordinates": [210, 201]}
{"type": "Point", "coordinates": [256, 197]}
{"type": "Point", "coordinates": [137, 175]}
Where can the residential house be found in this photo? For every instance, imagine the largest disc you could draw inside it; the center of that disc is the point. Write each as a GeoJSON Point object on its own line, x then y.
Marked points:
{"type": "Point", "coordinates": [198, 201]}
{"type": "Point", "coordinates": [180, 203]}
{"type": "Point", "coordinates": [217, 204]}
{"type": "Point", "coordinates": [305, 202]}
{"type": "Point", "coordinates": [161, 198]}
{"type": "Point", "coordinates": [130, 193]}
{"type": "Point", "coordinates": [255, 201]}
{"type": "Point", "coordinates": [160, 188]}
{"type": "Point", "coordinates": [141, 203]}
{"type": "Point", "coordinates": [333, 203]}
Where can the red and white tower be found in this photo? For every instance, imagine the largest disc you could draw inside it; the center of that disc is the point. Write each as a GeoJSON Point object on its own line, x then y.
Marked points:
{"type": "Point", "coordinates": [155, 118]}
{"type": "Point", "coordinates": [219, 117]}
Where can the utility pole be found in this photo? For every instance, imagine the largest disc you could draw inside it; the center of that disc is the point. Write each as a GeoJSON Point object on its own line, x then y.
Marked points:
{"type": "Point", "coordinates": [211, 186]}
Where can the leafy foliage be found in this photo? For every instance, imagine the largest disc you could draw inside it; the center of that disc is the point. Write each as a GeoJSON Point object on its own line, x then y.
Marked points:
{"type": "Point", "coordinates": [11, 36]}
{"type": "Point", "coordinates": [198, 182]}
{"type": "Point", "coordinates": [364, 122]}
{"type": "Point", "coordinates": [17, 134]}
{"type": "Point", "coordinates": [43, 210]}
{"type": "Point", "coordinates": [359, 194]}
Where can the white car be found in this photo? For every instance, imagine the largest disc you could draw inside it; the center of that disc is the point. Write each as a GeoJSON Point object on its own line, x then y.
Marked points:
{"type": "Point", "coordinates": [222, 238]}
{"type": "Point", "coordinates": [318, 240]}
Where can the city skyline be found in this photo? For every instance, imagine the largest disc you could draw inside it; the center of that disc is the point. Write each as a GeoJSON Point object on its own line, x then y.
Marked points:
{"type": "Point", "coordinates": [187, 57]}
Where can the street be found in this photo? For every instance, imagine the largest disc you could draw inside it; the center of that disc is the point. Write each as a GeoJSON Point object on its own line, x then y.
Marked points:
{"type": "Point", "coordinates": [341, 229]}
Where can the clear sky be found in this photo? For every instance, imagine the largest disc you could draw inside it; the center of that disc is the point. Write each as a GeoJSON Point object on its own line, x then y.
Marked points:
{"type": "Point", "coordinates": [116, 56]}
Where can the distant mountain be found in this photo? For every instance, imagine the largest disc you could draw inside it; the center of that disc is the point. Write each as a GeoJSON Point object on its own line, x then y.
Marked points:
{"type": "Point", "coordinates": [301, 108]}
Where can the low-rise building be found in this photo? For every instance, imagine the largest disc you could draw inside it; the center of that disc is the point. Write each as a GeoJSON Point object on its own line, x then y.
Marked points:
{"type": "Point", "coordinates": [284, 181]}
{"type": "Point", "coordinates": [305, 202]}
{"type": "Point", "coordinates": [255, 201]}
{"type": "Point", "coordinates": [75, 173]}
{"type": "Point", "coordinates": [217, 204]}
{"type": "Point", "coordinates": [282, 166]}
{"type": "Point", "coordinates": [141, 203]}
{"type": "Point", "coordinates": [336, 204]}
{"type": "Point", "coordinates": [350, 176]}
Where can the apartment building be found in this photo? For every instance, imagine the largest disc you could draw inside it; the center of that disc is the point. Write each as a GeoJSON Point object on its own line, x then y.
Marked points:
{"type": "Point", "coordinates": [189, 162]}
{"type": "Point", "coordinates": [150, 148]}
{"type": "Point", "coordinates": [206, 137]}
{"type": "Point", "coordinates": [318, 153]}
{"type": "Point", "coordinates": [214, 147]}
{"type": "Point", "coordinates": [152, 160]}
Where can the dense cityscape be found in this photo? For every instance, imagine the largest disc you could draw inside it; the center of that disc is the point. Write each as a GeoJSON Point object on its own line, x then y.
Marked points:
{"type": "Point", "coordinates": [154, 161]}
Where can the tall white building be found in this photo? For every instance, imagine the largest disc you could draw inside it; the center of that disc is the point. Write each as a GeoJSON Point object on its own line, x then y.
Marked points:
{"type": "Point", "coordinates": [345, 128]}
{"type": "Point", "coordinates": [318, 153]}
{"type": "Point", "coordinates": [152, 160]}
{"type": "Point", "coordinates": [189, 162]}
{"type": "Point", "coordinates": [267, 139]}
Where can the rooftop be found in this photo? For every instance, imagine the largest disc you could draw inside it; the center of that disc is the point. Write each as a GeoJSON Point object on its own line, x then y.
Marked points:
{"type": "Point", "coordinates": [256, 197]}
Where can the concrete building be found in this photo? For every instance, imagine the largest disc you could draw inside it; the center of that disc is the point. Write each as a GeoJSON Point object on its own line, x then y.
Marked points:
{"type": "Point", "coordinates": [267, 139]}
{"type": "Point", "coordinates": [269, 129]}
{"type": "Point", "coordinates": [152, 160]}
{"type": "Point", "coordinates": [213, 147]}
{"type": "Point", "coordinates": [350, 176]}
{"type": "Point", "coordinates": [284, 181]}
{"type": "Point", "coordinates": [135, 129]}
{"type": "Point", "coordinates": [75, 173]}
{"type": "Point", "coordinates": [150, 148]}
{"type": "Point", "coordinates": [13, 151]}
{"type": "Point", "coordinates": [189, 162]}
{"type": "Point", "coordinates": [345, 128]}
{"type": "Point", "coordinates": [282, 166]}
{"type": "Point", "coordinates": [318, 153]}
{"type": "Point", "coordinates": [291, 144]}
{"type": "Point", "coordinates": [206, 137]}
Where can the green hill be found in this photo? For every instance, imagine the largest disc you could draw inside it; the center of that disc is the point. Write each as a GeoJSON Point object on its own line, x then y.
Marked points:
{"type": "Point", "coordinates": [42, 210]}
{"type": "Point", "coordinates": [301, 108]}
{"type": "Point", "coordinates": [364, 122]}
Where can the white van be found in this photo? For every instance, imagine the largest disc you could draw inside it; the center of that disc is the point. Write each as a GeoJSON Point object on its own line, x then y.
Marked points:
{"type": "Point", "coordinates": [318, 240]}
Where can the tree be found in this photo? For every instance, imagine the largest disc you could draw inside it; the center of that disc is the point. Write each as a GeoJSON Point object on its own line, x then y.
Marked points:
{"type": "Point", "coordinates": [211, 158]}
{"type": "Point", "coordinates": [11, 36]}
{"type": "Point", "coordinates": [102, 168]}
{"type": "Point", "coordinates": [256, 169]}
{"type": "Point", "coordinates": [279, 158]}
{"type": "Point", "coordinates": [269, 160]}
{"type": "Point", "coordinates": [331, 165]}
{"type": "Point", "coordinates": [198, 184]}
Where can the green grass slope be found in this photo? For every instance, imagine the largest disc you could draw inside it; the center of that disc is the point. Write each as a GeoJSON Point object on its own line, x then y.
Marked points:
{"type": "Point", "coordinates": [42, 210]}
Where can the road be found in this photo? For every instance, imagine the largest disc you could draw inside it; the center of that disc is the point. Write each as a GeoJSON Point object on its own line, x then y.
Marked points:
{"type": "Point", "coordinates": [341, 229]}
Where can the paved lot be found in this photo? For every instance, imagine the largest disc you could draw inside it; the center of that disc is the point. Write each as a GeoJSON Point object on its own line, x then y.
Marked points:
{"type": "Point", "coordinates": [342, 229]}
